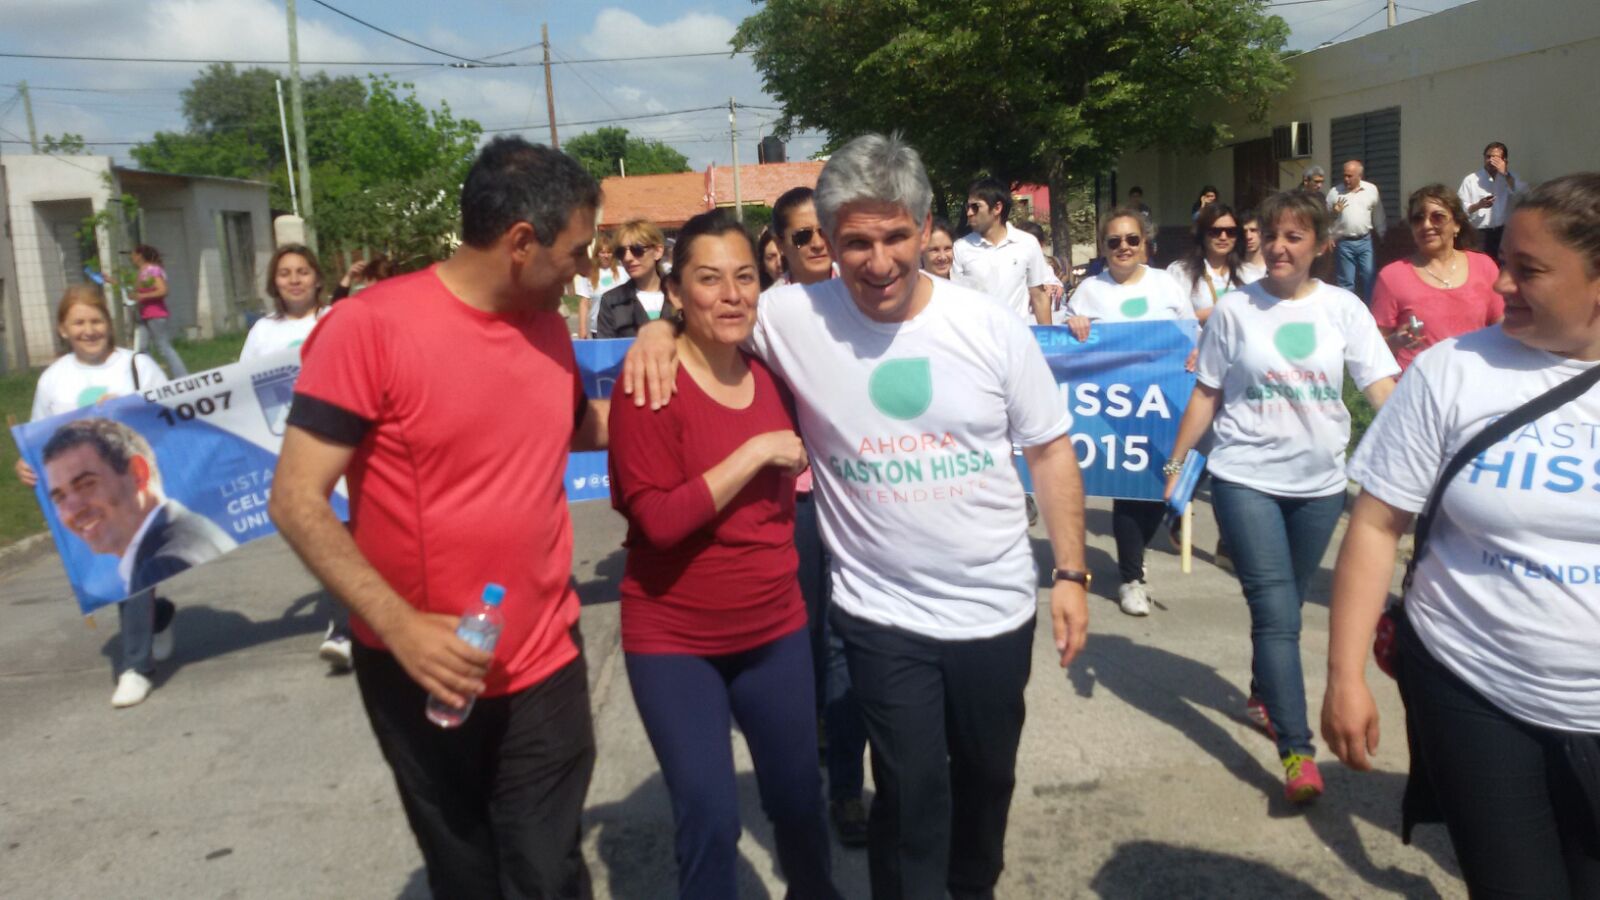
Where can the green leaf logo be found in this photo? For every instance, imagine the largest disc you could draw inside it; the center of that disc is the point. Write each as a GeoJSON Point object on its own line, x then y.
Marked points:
{"type": "Point", "coordinates": [902, 388]}
{"type": "Point", "coordinates": [90, 396]}
{"type": "Point", "coordinates": [1296, 340]}
{"type": "Point", "coordinates": [1135, 308]}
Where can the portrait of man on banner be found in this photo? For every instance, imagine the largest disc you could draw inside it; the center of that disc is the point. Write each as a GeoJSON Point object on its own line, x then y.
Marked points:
{"type": "Point", "coordinates": [105, 485]}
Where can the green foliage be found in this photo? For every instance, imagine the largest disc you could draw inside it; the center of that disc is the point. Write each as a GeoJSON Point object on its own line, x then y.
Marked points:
{"type": "Point", "coordinates": [68, 144]}
{"type": "Point", "coordinates": [1027, 90]}
{"type": "Point", "coordinates": [19, 511]}
{"type": "Point", "coordinates": [599, 151]}
{"type": "Point", "coordinates": [1361, 412]}
{"type": "Point", "coordinates": [386, 170]}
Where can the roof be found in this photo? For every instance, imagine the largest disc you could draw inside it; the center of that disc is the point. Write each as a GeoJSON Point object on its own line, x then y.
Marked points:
{"type": "Point", "coordinates": [667, 200]}
{"type": "Point", "coordinates": [763, 183]}
{"type": "Point", "coordinates": [670, 200]}
{"type": "Point", "coordinates": [143, 174]}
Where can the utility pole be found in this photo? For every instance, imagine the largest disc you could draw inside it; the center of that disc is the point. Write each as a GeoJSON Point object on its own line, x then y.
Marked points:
{"type": "Point", "coordinates": [288, 158]}
{"type": "Point", "coordinates": [1391, 14]}
{"type": "Point", "coordinates": [297, 111]}
{"type": "Point", "coordinates": [27, 106]}
{"type": "Point", "coordinates": [549, 88]}
{"type": "Point", "coordinates": [733, 138]}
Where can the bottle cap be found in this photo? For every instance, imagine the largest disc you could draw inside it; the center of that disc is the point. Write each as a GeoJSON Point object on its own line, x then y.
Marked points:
{"type": "Point", "coordinates": [493, 594]}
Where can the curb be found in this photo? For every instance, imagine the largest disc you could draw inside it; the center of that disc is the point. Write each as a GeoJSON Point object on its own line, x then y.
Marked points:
{"type": "Point", "coordinates": [16, 555]}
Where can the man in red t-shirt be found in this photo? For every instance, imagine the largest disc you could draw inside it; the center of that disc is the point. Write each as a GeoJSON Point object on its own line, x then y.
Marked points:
{"type": "Point", "coordinates": [449, 399]}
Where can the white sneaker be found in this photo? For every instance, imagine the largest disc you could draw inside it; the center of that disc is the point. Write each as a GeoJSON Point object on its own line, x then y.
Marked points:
{"type": "Point", "coordinates": [131, 690]}
{"type": "Point", "coordinates": [161, 646]}
{"type": "Point", "coordinates": [1134, 599]}
{"type": "Point", "coordinates": [335, 651]}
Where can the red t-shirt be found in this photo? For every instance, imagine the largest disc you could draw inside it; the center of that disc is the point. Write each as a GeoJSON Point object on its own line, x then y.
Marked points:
{"type": "Point", "coordinates": [461, 422]}
{"type": "Point", "coordinates": [698, 581]}
{"type": "Point", "coordinates": [1401, 293]}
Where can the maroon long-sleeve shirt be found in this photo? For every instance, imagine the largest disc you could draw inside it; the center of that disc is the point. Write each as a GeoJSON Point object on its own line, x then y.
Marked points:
{"type": "Point", "coordinates": [699, 581]}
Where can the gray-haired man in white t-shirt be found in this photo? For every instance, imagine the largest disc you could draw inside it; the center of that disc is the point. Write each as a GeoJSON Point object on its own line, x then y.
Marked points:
{"type": "Point", "coordinates": [910, 392]}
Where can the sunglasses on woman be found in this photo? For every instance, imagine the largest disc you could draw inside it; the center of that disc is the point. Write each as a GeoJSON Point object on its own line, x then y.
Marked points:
{"type": "Point", "coordinates": [1222, 232]}
{"type": "Point", "coordinates": [1436, 218]}
{"type": "Point", "coordinates": [1115, 241]}
{"type": "Point", "coordinates": [638, 250]}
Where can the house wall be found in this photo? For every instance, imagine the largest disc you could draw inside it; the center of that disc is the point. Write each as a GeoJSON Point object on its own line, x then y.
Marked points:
{"type": "Point", "coordinates": [1517, 71]}
{"type": "Point", "coordinates": [42, 194]}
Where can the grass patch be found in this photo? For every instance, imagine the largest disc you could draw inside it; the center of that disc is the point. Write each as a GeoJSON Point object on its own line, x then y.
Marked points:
{"type": "Point", "coordinates": [1361, 412]}
{"type": "Point", "coordinates": [19, 511]}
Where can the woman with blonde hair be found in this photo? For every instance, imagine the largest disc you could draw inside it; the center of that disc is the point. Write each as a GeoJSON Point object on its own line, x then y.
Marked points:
{"type": "Point", "coordinates": [642, 298]}
{"type": "Point", "coordinates": [94, 371]}
{"type": "Point", "coordinates": [604, 274]}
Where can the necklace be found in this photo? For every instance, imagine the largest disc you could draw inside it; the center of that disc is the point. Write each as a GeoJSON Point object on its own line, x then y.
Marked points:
{"type": "Point", "coordinates": [1448, 280]}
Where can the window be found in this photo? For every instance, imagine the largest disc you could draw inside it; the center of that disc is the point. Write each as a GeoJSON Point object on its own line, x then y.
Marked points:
{"type": "Point", "coordinates": [1373, 138]}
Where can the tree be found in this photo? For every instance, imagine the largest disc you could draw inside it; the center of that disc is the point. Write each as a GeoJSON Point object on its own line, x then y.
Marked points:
{"type": "Point", "coordinates": [1026, 90]}
{"type": "Point", "coordinates": [600, 150]}
{"type": "Point", "coordinates": [68, 144]}
{"type": "Point", "coordinates": [386, 169]}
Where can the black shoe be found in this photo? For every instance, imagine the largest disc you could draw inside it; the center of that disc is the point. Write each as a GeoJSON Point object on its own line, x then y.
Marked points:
{"type": "Point", "coordinates": [849, 821]}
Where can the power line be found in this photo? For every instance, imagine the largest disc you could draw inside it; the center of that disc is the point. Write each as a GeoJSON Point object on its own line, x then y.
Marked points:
{"type": "Point", "coordinates": [1364, 21]}
{"type": "Point", "coordinates": [370, 63]}
{"type": "Point", "coordinates": [84, 90]}
{"type": "Point", "coordinates": [1293, 3]}
{"type": "Point", "coordinates": [671, 112]}
{"type": "Point", "coordinates": [404, 40]}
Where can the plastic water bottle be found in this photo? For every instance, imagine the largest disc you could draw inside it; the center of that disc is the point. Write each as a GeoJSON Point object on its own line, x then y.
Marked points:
{"type": "Point", "coordinates": [480, 628]}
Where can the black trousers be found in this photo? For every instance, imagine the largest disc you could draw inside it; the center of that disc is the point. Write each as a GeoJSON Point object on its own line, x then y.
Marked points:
{"type": "Point", "coordinates": [944, 719]}
{"type": "Point", "coordinates": [496, 803]}
{"type": "Point", "coordinates": [1133, 524]}
{"type": "Point", "coordinates": [1517, 813]}
{"type": "Point", "coordinates": [1490, 238]}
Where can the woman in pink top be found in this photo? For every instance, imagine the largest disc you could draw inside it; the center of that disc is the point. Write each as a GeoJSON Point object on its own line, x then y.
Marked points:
{"type": "Point", "coordinates": [1442, 290]}
{"type": "Point", "coordinates": [150, 288]}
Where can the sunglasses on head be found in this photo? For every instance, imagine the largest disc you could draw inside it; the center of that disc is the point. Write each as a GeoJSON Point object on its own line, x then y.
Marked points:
{"type": "Point", "coordinates": [1436, 218]}
{"type": "Point", "coordinates": [1115, 241]}
{"type": "Point", "coordinates": [1223, 232]}
{"type": "Point", "coordinates": [638, 250]}
{"type": "Point", "coordinates": [802, 236]}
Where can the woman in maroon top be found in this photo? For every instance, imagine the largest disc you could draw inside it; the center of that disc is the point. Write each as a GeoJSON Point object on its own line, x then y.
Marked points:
{"type": "Point", "coordinates": [713, 627]}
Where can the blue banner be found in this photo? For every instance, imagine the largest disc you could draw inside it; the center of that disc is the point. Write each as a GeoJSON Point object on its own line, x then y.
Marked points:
{"type": "Point", "coordinates": [1126, 388]}
{"type": "Point", "coordinates": [140, 488]}
{"type": "Point", "coordinates": [600, 364]}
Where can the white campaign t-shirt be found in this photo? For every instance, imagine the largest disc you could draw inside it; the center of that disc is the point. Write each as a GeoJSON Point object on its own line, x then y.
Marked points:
{"type": "Point", "coordinates": [652, 302]}
{"type": "Point", "coordinates": [594, 291]}
{"type": "Point", "coordinates": [274, 333]}
{"type": "Point", "coordinates": [1282, 427]}
{"type": "Point", "coordinates": [1203, 293]}
{"type": "Point", "coordinates": [69, 384]}
{"type": "Point", "coordinates": [1507, 592]}
{"type": "Point", "coordinates": [1154, 296]}
{"type": "Point", "coordinates": [909, 427]}
{"type": "Point", "coordinates": [1004, 271]}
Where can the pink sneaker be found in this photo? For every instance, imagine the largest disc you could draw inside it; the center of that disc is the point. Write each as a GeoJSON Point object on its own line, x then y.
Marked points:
{"type": "Point", "coordinates": [1256, 712]}
{"type": "Point", "coordinates": [1302, 783]}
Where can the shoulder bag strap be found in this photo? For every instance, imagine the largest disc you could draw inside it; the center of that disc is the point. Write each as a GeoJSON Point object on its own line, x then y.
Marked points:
{"type": "Point", "coordinates": [1532, 411]}
{"type": "Point", "coordinates": [133, 366]}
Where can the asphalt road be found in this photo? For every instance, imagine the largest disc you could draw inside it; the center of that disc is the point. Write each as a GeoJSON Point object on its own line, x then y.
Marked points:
{"type": "Point", "coordinates": [251, 772]}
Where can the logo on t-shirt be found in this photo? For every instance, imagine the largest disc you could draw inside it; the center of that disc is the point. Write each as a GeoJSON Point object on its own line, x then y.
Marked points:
{"type": "Point", "coordinates": [902, 388]}
{"type": "Point", "coordinates": [1296, 340]}
{"type": "Point", "coordinates": [89, 396]}
{"type": "Point", "coordinates": [1135, 307]}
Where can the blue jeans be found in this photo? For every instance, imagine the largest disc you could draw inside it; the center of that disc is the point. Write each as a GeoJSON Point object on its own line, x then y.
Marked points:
{"type": "Point", "coordinates": [688, 704]}
{"type": "Point", "coordinates": [838, 707]}
{"type": "Point", "coordinates": [140, 617]}
{"type": "Point", "coordinates": [1354, 267]}
{"type": "Point", "coordinates": [1277, 545]}
{"type": "Point", "coordinates": [159, 332]}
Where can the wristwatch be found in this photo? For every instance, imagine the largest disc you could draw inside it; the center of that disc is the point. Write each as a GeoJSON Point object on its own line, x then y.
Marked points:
{"type": "Point", "coordinates": [1081, 577]}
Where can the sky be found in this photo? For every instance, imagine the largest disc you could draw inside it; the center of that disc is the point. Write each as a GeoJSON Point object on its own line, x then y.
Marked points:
{"type": "Point", "coordinates": [122, 102]}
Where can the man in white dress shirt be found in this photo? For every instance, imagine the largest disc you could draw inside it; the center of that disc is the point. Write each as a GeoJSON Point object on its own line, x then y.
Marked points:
{"type": "Point", "coordinates": [1486, 195]}
{"type": "Point", "coordinates": [1357, 220]}
{"type": "Point", "coordinates": [1000, 260]}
